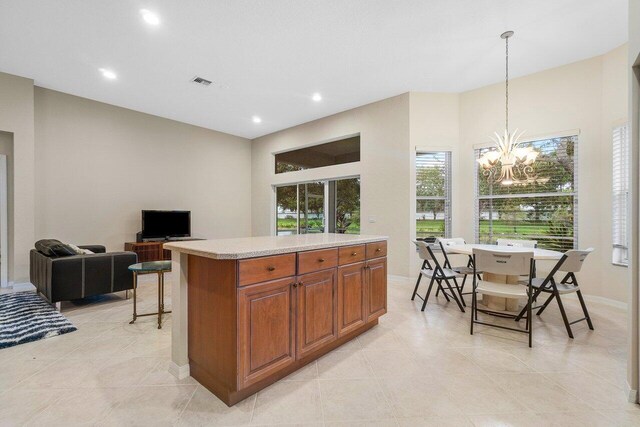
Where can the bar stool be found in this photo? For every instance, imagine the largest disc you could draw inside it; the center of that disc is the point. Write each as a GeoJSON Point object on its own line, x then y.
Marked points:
{"type": "Point", "coordinates": [159, 268]}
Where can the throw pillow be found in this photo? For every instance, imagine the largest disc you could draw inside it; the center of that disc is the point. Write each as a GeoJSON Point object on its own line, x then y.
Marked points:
{"type": "Point", "coordinates": [53, 247]}
{"type": "Point", "coordinates": [78, 250]}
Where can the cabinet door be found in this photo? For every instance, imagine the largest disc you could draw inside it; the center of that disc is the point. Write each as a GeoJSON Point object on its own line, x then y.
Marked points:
{"type": "Point", "coordinates": [376, 288]}
{"type": "Point", "coordinates": [265, 329]}
{"type": "Point", "coordinates": [317, 322]}
{"type": "Point", "coordinates": [351, 298]}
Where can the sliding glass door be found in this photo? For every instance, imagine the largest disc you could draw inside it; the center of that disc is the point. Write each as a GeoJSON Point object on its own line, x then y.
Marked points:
{"type": "Point", "coordinates": [311, 207]}
{"type": "Point", "coordinates": [302, 208]}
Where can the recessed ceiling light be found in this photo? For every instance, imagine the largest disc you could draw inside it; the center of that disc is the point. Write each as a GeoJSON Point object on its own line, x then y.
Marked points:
{"type": "Point", "coordinates": [108, 74]}
{"type": "Point", "coordinates": [317, 97]}
{"type": "Point", "coordinates": [150, 17]}
{"type": "Point", "coordinates": [256, 119]}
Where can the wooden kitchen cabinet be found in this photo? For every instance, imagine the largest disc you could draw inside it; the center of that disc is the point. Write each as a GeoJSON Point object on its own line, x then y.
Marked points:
{"type": "Point", "coordinates": [253, 321]}
{"type": "Point", "coordinates": [316, 311]}
{"type": "Point", "coordinates": [266, 333]}
{"type": "Point", "coordinates": [376, 288]}
{"type": "Point", "coordinates": [351, 297]}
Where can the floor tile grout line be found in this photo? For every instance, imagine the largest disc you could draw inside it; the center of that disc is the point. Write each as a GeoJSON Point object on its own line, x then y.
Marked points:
{"type": "Point", "coordinates": [195, 390]}
{"type": "Point", "coordinates": [379, 383]}
{"type": "Point", "coordinates": [317, 381]}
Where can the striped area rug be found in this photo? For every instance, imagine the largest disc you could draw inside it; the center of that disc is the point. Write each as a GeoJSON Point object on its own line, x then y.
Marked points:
{"type": "Point", "coordinates": [26, 317]}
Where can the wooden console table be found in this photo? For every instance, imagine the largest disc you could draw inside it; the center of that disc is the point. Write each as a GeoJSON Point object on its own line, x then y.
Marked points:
{"type": "Point", "coordinates": [148, 251]}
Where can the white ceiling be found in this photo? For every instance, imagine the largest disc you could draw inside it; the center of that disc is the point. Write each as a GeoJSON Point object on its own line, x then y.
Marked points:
{"type": "Point", "coordinates": [267, 57]}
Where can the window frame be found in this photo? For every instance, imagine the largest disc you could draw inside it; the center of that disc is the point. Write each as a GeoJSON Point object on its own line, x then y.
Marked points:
{"type": "Point", "coordinates": [447, 190]}
{"type": "Point", "coordinates": [574, 194]}
{"type": "Point", "coordinates": [620, 176]}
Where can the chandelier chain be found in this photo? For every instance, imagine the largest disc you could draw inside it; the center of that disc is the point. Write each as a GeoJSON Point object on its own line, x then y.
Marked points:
{"type": "Point", "coordinates": [506, 113]}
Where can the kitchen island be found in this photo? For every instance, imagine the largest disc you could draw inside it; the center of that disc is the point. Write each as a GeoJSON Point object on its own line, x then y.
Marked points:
{"type": "Point", "coordinates": [250, 311]}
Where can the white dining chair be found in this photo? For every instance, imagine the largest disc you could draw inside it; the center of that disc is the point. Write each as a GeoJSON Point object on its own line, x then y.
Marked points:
{"type": "Point", "coordinates": [502, 263]}
{"type": "Point", "coordinates": [517, 243]}
{"type": "Point", "coordinates": [570, 263]}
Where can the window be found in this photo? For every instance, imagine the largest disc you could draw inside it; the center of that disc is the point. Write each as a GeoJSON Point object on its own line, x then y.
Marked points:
{"type": "Point", "coordinates": [300, 208]}
{"type": "Point", "coordinates": [433, 194]}
{"type": "Point", "coordinates": [545, 210]}
{"type": "Point", "coordinates": [332, 153]}
{"type": "Point", "coordinates": [620, 194]}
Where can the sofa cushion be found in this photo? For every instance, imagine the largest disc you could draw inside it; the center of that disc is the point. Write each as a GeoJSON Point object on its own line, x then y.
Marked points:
{"type": "Point", "coordinates": [53, 247]}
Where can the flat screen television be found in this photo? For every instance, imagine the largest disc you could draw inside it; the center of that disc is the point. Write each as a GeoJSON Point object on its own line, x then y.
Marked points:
{"type": "Point", "coordinates": [165, 224]}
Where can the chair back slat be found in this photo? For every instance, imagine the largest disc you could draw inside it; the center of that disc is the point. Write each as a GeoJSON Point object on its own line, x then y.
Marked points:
{"type": "Point", "coordinates": [499, 262]}
{"type": "Point", "coordinates": [574, 261]}
{"type": "Point", "coordinates": [423, 250]}
{"type": "Point", "coordinates": [452, 241]}
{"type": "Point", "coordinates": [517, 243]}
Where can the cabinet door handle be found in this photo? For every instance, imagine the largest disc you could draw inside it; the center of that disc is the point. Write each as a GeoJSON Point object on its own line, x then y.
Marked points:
{"type": "Point", "coordinates": [294, 284]}
{"type": "Point", "coordinates": [354, 253]}
{"type": "Point", "coordinates": [321, 260]}
{"type": "Point", "coordinates": [299, 283]}
{"type": "Point", "coordinates": [271, 268]}
{"type": "Point", "coordinates": [378, 250]}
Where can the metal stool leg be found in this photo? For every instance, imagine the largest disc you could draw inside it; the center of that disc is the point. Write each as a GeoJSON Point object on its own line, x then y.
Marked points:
{"type": "Point", "coordinates": [135, 287]}
{"type": "Point", "coordinates": [159, 300]}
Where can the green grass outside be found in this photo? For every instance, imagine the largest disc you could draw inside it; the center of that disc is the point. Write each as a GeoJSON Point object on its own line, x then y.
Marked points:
{"type": "Point", "coordinates": [286, 224]}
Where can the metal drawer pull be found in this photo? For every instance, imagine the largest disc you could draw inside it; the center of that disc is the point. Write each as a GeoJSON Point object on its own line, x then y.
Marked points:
{"type": "Point", "coordinates": [354, 253]}
{"type": "Point", "coordinates": [378, 250]}
{"type": "Point", "coordinates": [294, 284]}
{"type": "Point", "coordinates": [321, 260]}
{"type": "Point", "coordinates": [271, 268]}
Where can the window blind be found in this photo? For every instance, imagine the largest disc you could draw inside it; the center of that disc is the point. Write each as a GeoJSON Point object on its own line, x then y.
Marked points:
{"type": "Point", "coordinates": [545, 210]}
{"type": "Point", "coordinates": [433, 194]}
{"type": "Point", "coordinates": [620, 200]}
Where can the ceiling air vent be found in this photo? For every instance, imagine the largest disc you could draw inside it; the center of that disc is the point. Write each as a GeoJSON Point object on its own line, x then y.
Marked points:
{"type": "Point", "coordinates": [201, 81]}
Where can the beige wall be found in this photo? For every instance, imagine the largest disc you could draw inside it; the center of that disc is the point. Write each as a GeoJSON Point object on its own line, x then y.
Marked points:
{"type": "Point", "coordinates": [633, 375]}
{"type": "Point", "coordinates": [588, 97]}
{"type": "Point", "coordinates": [16, 117]}
{"type": "Point", "coordinates": [98, 165]}
{"type": "Point", "coordinates": [435, 126]}
{"type": "Point", "coordinates": [384, 169]}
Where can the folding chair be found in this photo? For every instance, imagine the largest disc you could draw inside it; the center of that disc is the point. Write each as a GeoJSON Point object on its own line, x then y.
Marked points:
{"type": "Point", "coordinates": [464, 270]}
{"type": "Point", "coordinates": [570, 263]}
{"type": "Point", "coordinates": [437, 274]}
{"type": "Point", "coordinates": [510, 264]}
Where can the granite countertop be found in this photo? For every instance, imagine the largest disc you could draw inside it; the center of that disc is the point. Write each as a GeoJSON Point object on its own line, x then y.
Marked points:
{"type": "Point", "coordinates": [250, 247]}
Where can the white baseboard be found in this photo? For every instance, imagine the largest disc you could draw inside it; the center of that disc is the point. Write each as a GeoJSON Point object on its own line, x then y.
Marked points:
{"type": "Point", "coordinates": [180, 372]}
{"type": "Point", "coordinates": [601, 300]}
{"type": "Point", "coordinates": [19, 287]}
{"type": "Point", "coordinates": [396, 277]}
{"type": "Point", "coordinates": [632, 395]}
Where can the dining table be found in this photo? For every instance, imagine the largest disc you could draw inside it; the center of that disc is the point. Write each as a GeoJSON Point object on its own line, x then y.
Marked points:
{"type": "Point", "coordinates": [499, 303]}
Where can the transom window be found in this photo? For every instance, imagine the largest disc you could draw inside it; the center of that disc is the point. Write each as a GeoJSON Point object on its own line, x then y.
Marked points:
{"type": "Point", "coordinates": [545, 210]}
{"type": "Point", "coordinates": [433, 194]}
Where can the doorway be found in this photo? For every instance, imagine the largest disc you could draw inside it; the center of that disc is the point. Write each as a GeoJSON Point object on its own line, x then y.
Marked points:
{"type": "Point", "coordinates": [327, 206]}
{"type": "Point", "coordinates": [4, 221]}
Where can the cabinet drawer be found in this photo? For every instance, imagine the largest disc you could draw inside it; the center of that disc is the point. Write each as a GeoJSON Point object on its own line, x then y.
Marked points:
{"type": "Point", "coordinates": [376, 249]}
{"type": "Point", "coordinates": [317, 260]}
{"type": "Point", "coordinates": [351, 254]}
{"type": "Point", "coordinates": [256, 270]}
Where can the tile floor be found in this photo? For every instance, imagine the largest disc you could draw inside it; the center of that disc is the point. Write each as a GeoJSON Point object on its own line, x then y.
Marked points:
{"type": "Point", "coordinates": [413, 369]}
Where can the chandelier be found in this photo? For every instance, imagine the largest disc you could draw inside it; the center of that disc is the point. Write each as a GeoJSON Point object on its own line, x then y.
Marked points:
{"type": "Point", "coordinates": [509, 163]}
